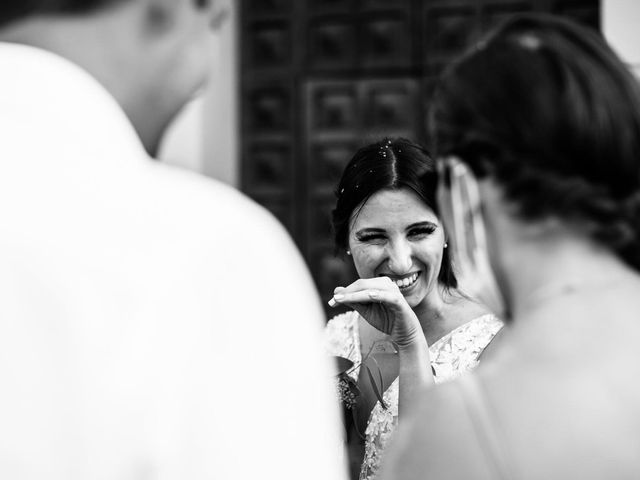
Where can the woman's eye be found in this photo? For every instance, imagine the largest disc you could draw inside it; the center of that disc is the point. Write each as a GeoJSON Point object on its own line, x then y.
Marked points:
{"type": "Point", "coordinates": [371, 238]}
{"type": "Point", "coordinates": [421, 232]}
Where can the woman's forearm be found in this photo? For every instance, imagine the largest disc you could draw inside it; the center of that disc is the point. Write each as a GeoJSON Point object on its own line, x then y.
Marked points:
{"type": "Point", "coordinates": [415, 371]}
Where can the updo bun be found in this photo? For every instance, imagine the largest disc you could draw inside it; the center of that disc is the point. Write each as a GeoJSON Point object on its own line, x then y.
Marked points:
{"type": "Point", "coordinates": [547, 110]}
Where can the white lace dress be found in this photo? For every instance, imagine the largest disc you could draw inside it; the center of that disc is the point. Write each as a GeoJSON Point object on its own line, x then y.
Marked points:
{"type": "Point", "coordinates": [452, 355]}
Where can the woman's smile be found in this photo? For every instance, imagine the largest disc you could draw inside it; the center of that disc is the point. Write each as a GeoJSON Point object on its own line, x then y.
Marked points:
{"type": "Point", "coordinates": [404, 282]}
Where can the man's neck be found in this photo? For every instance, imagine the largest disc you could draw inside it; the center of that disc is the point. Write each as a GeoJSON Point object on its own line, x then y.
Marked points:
{"type": "Point", "coordinates": [103, 46]}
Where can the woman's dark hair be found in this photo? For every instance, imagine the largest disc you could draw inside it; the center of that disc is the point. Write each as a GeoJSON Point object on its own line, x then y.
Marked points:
{"type": "Point", "coordinates": [390, 164]}
{"type": "Point", "coordinates": [546, 108]}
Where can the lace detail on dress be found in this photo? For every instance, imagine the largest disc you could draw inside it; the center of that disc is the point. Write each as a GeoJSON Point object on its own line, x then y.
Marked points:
{"type": "Point", "coordinates": [455, 353]}
{"type": "Point", "coordinates": [341, 339]}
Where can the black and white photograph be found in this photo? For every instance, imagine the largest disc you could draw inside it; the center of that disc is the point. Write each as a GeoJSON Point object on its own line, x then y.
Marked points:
{"type": "Point", "coordinates": [319, 239]}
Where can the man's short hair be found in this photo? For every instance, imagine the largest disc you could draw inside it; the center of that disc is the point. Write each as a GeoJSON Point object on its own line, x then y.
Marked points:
{"type": "Point", "coordinates": [13, 10]}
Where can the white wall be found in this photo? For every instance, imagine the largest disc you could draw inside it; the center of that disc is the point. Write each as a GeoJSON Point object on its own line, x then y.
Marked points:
{"type": "Point", "coordinates": [621, 27]}
{"type": "Point", "coordinates": [205, 136]}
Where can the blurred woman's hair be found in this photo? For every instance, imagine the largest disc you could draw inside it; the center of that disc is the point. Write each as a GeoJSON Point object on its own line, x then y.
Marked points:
{"type": "Point", "coordinates": [545, 108]}
{"type": "Point", "coordinates": [390, 164]}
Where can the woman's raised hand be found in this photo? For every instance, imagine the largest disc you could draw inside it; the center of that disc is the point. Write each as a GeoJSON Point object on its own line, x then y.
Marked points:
{"type": "Point", "coordinates": [380, 302]}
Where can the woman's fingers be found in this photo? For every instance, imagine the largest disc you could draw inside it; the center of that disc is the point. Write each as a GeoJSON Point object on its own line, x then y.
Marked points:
{"type": "Point", "coordinates": [387, 296]}
{"type": "Point", "coordinates": [380, 302]}
{"type": "Point", "coordinates": [363, 291]}
{"type": "Point", "coordinates": [377, 283]}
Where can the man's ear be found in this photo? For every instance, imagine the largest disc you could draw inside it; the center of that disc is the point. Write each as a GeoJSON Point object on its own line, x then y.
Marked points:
{"type": "Point", "coordinates": [157, 16]}
{"type": "Point", "coordinates": [160, 15]}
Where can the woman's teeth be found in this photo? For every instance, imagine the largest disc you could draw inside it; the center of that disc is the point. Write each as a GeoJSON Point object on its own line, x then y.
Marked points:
{"type": "Point", "coordinates": [406, 281]}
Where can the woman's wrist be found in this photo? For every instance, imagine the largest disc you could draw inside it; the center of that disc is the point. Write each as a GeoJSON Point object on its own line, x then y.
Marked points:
{"type": "Point", "coordinates": [411, 341]}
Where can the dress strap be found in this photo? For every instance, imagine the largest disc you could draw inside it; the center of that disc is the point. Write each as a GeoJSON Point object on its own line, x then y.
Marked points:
{"type": "Point", "coordinates": [486, 431]}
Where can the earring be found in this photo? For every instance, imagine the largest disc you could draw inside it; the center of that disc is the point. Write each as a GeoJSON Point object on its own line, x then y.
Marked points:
{"type": "Point", "coordinates": [348, 252]}
{"type": "Point", "coordinates": [446, 244]}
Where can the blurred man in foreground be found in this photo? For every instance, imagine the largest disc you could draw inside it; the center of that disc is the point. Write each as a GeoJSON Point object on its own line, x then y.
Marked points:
{"type": "Point", "coordinates": [144, 312]}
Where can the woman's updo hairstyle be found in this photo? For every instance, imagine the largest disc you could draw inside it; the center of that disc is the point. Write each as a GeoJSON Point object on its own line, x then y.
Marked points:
{"type": "Point", "coordinates": [390, 164]}
{"type": "Point", "coordinates": [545, 108]}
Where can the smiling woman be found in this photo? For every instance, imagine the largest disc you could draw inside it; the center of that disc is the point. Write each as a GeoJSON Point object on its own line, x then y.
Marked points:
{"type": "Point", "coordinates": [409, 318]}
{"type": "Point", "coordinates": [396, 235]}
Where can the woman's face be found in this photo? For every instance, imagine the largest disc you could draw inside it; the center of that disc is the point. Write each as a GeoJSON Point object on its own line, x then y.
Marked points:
{"type": "Point", "coordinates": [395, 234]}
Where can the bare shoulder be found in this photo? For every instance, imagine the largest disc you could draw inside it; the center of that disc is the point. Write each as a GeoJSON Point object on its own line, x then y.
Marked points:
{"type": "Point", "coordinates": [468, 307]}
{"type": "Point", "coordinates": [438, 439]}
